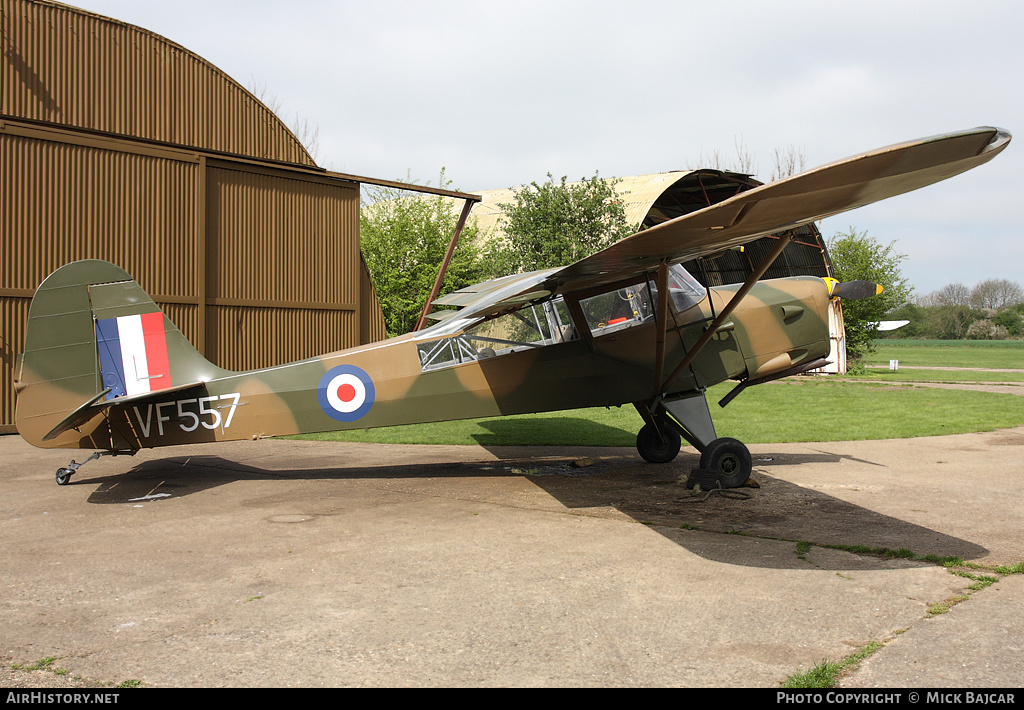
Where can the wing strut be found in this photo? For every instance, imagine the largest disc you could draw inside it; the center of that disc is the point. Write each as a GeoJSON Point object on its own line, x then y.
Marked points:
{"type": "Point", "coordinates": [783, 240]}
{"type": "Point", "coordinates": [659, 352]}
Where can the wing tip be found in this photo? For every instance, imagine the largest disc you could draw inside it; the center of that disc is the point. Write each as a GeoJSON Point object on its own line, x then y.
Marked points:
{"type": "Point", "coordinates": [999, 141]}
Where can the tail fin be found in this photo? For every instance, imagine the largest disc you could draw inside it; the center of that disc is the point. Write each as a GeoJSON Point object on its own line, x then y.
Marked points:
{"type": "Point", "coordinates": [94, 337]}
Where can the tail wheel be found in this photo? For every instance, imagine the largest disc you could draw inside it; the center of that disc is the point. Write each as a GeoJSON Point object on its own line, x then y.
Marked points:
{"type": "Point", "coordinates": [729, 460]}
{"type": "Point", "coordinates": [656, 448]}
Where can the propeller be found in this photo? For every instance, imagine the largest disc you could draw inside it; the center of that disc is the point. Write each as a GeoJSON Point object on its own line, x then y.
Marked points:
{"type": "Point", "coordinates": [852, 290]}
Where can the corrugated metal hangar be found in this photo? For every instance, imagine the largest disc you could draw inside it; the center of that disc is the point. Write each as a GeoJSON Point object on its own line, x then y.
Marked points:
{"type": "Point", "coordinates": [118, 144]}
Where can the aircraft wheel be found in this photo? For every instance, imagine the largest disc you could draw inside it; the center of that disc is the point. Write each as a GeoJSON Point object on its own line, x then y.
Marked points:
{"type": "Point", "coordinates": [655, 450]}
{"type": "Point", "coordinates": [63, 476]}
{"type": "Point", "coordinates": [729, 460]}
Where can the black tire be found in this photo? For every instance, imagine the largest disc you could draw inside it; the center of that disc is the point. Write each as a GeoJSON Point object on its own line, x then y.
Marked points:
{"type": "Point", "coordinates": [655, 449]}
{"type": "Point", "coordinates": [63, 476]}
{"type": "Point", "coordinates": [729, 460]}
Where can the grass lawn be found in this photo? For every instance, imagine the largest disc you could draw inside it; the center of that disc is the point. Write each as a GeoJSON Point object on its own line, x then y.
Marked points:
{"type": "Point", "coordinates": [949, 353]}
{"type": "Point", "coordinates": [967, 376]}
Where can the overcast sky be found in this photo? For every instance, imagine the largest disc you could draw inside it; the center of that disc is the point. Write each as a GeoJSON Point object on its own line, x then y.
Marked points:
{"type": "Point", "coordinates": [500, 94]}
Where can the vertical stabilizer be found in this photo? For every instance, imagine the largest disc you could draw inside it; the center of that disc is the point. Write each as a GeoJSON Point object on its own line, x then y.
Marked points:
{"type": "Point", "coordinates": [95, 336]}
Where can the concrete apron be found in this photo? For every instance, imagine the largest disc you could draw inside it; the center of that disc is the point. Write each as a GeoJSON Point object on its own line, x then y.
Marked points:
{"type": "Point", "coordinates": [294, 563]}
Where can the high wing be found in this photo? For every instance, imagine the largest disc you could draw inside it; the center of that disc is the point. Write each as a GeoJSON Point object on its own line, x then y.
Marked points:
{"type": "Point", "coordinates": [769, 209]}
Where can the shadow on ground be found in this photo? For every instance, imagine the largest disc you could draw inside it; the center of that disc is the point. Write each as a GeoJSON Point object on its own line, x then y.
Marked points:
{"type": "Point", "coordinates": [612, 484]}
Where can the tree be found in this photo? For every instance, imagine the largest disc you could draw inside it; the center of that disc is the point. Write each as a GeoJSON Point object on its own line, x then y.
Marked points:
{"type": "Point", "coordinates": [404, 237]}
{"type": "Point", "coordinates": [556, 224]}
{"type": "Point", "coordinates": [787, 162]}
{"type": "Point", "coordinates": [857, 256]}
{"type": "Point", "coordinates": [743, 162]}
{"type": "Point", "coordinates": [1010, 319]}
{"type": "Point", "coordinates": [306, 133]}
{"type": "Point", "coordinates": [950, 314]}
{"type": "Point", "coordinates": [986, 311]}
{"type": "Point", "coordinates": [996, 294]}
{"type": "Point", "coordinates": [952, 295]}
{"type": "Point", "coordinates": [985, 329]}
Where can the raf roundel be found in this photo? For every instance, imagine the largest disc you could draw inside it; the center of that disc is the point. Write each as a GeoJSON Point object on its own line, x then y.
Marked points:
{"type": "Point", "coordinates": [345, 393]}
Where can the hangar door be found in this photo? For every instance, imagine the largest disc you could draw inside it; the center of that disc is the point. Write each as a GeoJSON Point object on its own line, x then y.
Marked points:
{"type": "Point", "coordinates": [256, 264]}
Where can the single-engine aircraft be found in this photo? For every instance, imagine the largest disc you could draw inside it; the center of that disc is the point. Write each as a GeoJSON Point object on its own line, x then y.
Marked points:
{"type": "Point", "coordinates": [104, 369]}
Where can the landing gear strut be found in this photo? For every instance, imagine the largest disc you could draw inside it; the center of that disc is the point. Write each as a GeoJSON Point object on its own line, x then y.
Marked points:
{"type": "Point", "coordinates": [724, 462]}
{"type": "Point", "coordinates": [64, 474]}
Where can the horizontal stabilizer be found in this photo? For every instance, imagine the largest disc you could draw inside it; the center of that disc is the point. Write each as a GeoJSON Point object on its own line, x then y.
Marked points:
{"type": "Point", "coordinates": [78, 417]}
{"type": "Point", "coordinates": [96, 405]}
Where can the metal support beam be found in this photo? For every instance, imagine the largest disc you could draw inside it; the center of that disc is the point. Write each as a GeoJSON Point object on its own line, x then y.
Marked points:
{"type": "Point", "coordinates": [444, 266]}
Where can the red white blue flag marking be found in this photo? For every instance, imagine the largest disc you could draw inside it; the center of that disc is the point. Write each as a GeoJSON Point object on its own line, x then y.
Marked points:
{"type": "Point", "coordinates": [345, 393]}
{"type": "Point", "coordinates": [133, 354]}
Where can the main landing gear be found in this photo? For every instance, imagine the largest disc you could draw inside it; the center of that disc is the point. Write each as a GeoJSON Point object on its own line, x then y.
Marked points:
{"type": "Point", "coordinates": [724, 462]}
{"type": "Point", "coordinates": [658, 442]}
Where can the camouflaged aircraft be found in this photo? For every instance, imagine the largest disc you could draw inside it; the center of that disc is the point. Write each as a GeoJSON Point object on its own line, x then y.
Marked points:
{"type": "Point", "coordinates": [104, 369]}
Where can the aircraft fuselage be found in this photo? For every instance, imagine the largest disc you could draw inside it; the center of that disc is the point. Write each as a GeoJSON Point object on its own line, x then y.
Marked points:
{"type": "Point", "coordinates": [572, 356]}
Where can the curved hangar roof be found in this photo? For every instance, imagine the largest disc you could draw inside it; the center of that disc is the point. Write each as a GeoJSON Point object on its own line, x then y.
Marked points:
{"type": "Point", "coordinates": [658, 197]}
{"type": "Point", "coordinates": [74, 68]}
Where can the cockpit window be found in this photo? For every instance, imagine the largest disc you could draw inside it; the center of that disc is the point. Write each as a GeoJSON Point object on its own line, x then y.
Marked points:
{"type": "Point", "coordinates": [618, 309]}
{"type": "Point", "coordinates": [533, 326]}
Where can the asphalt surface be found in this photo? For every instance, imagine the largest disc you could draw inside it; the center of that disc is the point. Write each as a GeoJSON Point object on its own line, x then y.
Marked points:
{"type": "Point", "coordinates": [289, 563]}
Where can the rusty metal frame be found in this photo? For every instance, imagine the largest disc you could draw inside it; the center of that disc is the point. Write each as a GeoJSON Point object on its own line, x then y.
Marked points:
{"type": "Point", "coordinates": [466, 208]}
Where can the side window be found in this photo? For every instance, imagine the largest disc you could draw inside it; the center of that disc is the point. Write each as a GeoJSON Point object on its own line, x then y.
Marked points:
{"type": "Point", "coordinates": [445, 353]}
{"type": "Point", "coordinates": [533, 326]}
{"type": "Point", "coordinates": [618, 309]}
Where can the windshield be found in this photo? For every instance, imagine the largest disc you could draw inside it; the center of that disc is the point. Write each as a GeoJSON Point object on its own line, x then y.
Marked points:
{"type": "Point", "coordinates": [685, 290]}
